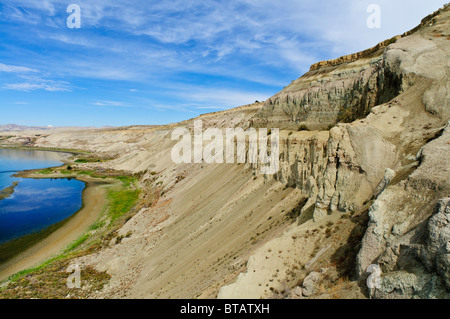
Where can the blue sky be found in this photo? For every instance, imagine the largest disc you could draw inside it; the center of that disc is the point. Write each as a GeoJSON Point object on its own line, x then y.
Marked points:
{"type": "Point", "coordinates": [156, 62]}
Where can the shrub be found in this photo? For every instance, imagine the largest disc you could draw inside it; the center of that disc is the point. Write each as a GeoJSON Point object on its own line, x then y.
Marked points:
{"type": "Point", "coordinates": [346, 115]}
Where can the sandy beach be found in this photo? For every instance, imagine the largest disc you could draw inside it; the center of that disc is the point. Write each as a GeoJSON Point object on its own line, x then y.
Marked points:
{"type": "Point", "coordinates": [94, 199]}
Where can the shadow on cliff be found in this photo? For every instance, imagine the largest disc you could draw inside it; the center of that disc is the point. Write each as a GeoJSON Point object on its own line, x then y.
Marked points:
{"type": "Point", "coordinates": [344, 258]}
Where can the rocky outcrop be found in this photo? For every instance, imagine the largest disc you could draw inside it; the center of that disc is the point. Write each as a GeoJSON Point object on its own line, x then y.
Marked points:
{"type": "Point", "coordinates": [309, 283]}
{"type": "Point", "coordinates": [406, 236]}
{"type": "Point", "coordinates": [428, 276]}
{"type": "Point", "coordinates": [321, 165]}
{"type": "Point", "coordinates": [355, 56]}
{"type": "Point", "coordinates": [435, 253]}
{"type": "Point", "coordinates": [303, 158]}
{"type": "Point", "coordinates": [358, 154]}
{"type": "Point", "coordinates": [322, 97]}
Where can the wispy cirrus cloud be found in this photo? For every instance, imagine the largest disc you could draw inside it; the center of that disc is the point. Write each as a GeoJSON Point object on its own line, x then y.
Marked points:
{"type": "Point", "coordinates": [219, 98]}
{"type": "Point", "coordinates": [112, 103]}
{"type": "Point", "coordinates": [15, 69]}
{"type": "Point", "coordinates": [27, 87]}
{"type": "Point", "coordinates": [33, 81]}
{"type": "Point", "coordinates": [37, 83]}
{"type": "Point", "coordinates": [234, 25]}
{"type": "Point", "coordinates": [211, 108]}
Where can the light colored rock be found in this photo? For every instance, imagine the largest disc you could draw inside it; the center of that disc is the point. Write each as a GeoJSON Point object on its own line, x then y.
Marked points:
{"type": "Point", "coordinates": [397, 285]}
{"type": "Point", "coordinates": [401, 208]}
{"type": "Point", "coordinates": [389, 174]}
{"type": "Point", "coordinates": [309, 283]}
{"type": "Point", "coordinates": [311, 263]}
{"type": "Point", "coordinates": [436, 251]}
{"type": "Point", "coordinates": [315, 99]}
{"type": "Point", "coordinates": [297, 291]}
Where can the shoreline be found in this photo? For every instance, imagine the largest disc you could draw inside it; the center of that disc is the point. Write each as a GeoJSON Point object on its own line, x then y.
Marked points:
{"type": "Point", "coordinates": [27, 148]}
{"type": "Point", "coordinates": [94, 199]}
{"type": "Point", "coordinates": [8, 191]}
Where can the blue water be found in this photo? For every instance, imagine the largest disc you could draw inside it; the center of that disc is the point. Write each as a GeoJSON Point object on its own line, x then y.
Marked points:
{"type": "Point", "coordinates": [36, 203]}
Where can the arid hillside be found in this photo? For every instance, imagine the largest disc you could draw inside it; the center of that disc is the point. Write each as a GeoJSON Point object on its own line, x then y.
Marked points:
{"type": "Point", "coordinates": [364, 180]}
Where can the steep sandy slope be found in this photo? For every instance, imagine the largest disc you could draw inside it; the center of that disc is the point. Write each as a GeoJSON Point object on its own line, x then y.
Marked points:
{"type": "Point", "coordinates": [225, 230]}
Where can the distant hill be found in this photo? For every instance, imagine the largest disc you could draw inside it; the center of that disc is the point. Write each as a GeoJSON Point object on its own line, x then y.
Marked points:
{"type": "Point", "coordinates": [15, 127]}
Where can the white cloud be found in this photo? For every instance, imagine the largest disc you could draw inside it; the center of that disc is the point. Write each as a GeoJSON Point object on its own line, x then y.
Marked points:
{"type": "Point", "coordinates": [203, 97]}
{"type": "Point", "coordinates": [112, 103]}
{"type": "Point", "coordinates": [33, 82]}
{"type": "Point", "coordinates": [38, 84]}
{"type": "Point", "coordinates": [210, 108]}
{"type": "Point", "coordinates": [15, 69]}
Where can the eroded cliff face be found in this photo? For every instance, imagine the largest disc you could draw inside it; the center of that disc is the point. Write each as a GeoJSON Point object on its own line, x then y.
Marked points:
{"type": "Point", "coordinates": [393, 159]}
{"type": "Point", "coordinates": [333, 93]}
{"type": "Point", "coordinates": [402, 81]}
{"type": "Point", "coordinates": [408, 230]}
